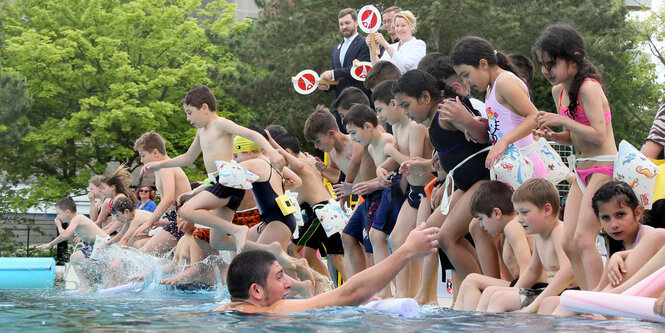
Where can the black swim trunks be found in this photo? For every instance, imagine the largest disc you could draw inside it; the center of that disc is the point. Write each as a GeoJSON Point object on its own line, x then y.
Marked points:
{"type": "Point", "coordinates": [313, 236]}
{"type": "Point", "coordinates": [235, 195]}
{"type": "Point", "coordinates": [172, 227]}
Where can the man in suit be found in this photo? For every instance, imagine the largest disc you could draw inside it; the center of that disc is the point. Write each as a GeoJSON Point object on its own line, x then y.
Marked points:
{"type": "Point", "coordinates": [341, 59]}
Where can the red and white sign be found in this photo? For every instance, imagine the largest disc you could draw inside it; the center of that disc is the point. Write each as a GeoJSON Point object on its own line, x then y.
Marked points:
{"type": "Point", "coordinates": [360, 69]}
{"type": "Point", "coordinates": [305, 82]}
{"type": "Point", "coordinates": [370, 19]}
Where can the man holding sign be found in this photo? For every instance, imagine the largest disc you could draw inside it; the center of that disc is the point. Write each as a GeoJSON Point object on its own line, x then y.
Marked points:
{"type": "Point", "coordinates": [343, 53]}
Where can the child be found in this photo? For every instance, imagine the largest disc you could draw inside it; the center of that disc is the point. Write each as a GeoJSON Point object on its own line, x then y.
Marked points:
{"type": "Point", "coordinates": [410, 141]}
{"type": "Point", "coordinates": [170, 183]}
{"type": "Point", "coordinates": [420, 94]}
{"type": "Point", "coordinates": [524, 67]}
{"type": "Point", "coordinates": [492, 206]}
{"type": "Point", "coordinates": [131, 218]}
{"type": "Point", "coordinates": [214, 139]}
{"type": "Point", "coordinates": [381, 71]}
{"type": "Point", "coordinates": [584, 114]}
{"type": "Point", "coordinates": [82, 227]}
{"type": "Point", "coordinates": [511, 114]}
{"type": "Point", "coordinates": [537, 204]}
{"type": "Point", "coordinates": [115, 184]}
{"type": "Point", "coordinates": [313, 196]}
{"type": "Point", "coordinates": [96, 196]}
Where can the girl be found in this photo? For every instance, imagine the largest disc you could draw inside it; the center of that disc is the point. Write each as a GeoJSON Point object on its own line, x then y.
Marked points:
{"type": "Point", "coordinates": [406, 53]}
{"type": "Point", "coordinates": [114, 185]}
{"type": "Point", "coordinates": [511, 115]}
{"type": "Point", "coordinates": [419, 94]}
{"type": "Point", "coordinates": [95, 185]}
{"type": "Point", "coordinates": [146, 198]}
{"type": "Point", "coordinates": [584, 114]}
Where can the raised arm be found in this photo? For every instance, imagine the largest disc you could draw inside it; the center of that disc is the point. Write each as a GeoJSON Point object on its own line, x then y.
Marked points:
{"type": "Point", "coordinates": [229, 126]}
{"type": "Point", "coordinates": [181, 160]}
{"type": "Point", "coordinates": [66, 234]}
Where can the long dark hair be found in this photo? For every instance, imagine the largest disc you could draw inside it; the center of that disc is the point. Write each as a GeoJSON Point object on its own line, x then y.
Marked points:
{"type": "Point", "coordinates": [471, 49]}
{"type": "Point", "coordinates": [623, 194]}
{"type": "Point", "coordinates": [563, 41]}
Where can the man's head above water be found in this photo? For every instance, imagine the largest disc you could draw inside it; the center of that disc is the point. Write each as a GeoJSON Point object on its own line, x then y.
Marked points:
{"type": "Point", "coordinates": [255, 277]}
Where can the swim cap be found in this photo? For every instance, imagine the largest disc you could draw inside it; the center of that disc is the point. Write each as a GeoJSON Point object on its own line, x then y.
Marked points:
{"type": "Point", "coordinates": [242, 145]}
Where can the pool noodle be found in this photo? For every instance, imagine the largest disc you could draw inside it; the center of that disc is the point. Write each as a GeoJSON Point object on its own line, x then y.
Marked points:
{"type": "Point", "coordinates": [405, 307]}
{"type": "Point", "coordinates": [650, 286]}
{"type": "Point", "coordinates": [120, 289]}
{"type": "Point", "coordinates": [610, 304]}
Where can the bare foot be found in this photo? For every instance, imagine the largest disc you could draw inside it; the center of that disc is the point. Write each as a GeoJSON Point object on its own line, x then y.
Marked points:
{"type": "Point", "coordinates": [323, 283]}
{"type": "Point", "coordinates": [425, 301]}
{"type": "Point", "coordinates": [303, 270]}
{"type": "Point", "coordinates": [304, 288]}
{"type": "Point", "coordinates": [284, 259]}
{"type": "Point", "coordinates": [240, 237]}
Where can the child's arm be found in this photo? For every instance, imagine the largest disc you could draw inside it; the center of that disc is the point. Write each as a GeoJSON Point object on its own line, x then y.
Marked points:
{"type": "Point", "coordinates": [516, 237]}
{"type": "Point", "coordinates": [181, 160]}
{"type": "Point", "coordinates": [532, 272]}
{"type": "Point", "coordinates": [291, 179]}
{"type": "Point", "coordinates": [294, 163]}
{"type": "Point", "coordinates": [64, 235]}
{"type": "Point", "coordinates": [354, 164]}
{"type": "Point", "coordinates": [166, 202]}
{"type": "Point", "coordinates": [454, 112]}
{"type": "Point", "coordinates": [329, 171]}
{"type": "Point", "coordinates": [93, 206]}
{"type": "Point", "coordinates": [382, 172]}
{"type": "Point", "coordinates": [103, 213]}
{"type": "Point", "coordinates": [229, 126]}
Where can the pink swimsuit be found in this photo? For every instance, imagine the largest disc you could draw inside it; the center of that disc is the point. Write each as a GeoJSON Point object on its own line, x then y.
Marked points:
{"type": "Point", "coordinates": [502, 120]}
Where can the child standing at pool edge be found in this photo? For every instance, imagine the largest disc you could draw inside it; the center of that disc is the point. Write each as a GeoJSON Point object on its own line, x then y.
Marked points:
{"type": "Point", "coordinates": [584, 114]}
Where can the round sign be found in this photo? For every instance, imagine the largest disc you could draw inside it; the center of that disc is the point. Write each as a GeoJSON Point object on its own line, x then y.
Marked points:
{"type": "Point", "coordinates": [370, 19]}
{"type": "Point", "coordinates": [306, 82]}
{"type": "Point", "coordinates": [360, 70]}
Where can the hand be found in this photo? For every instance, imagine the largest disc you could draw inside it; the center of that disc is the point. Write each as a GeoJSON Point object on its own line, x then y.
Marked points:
{"type": "Point", "coordinates": [277, 160]}
{"type": "Point", "coordinates": [616, 267]}
{"type": "Point", "coordinates": [77, 239]}
{"type": "Point", "coordinates": [102, 247]}
{"type": "Point", "coordinates": [343, 189]}
{"type": "Point", "coordinates": [57, 222]}
{"type": "Point", "coordinates": [365, 187]}
{"type": "Point", "coordinates": [659, 306]}
{"type": "Point", "coordinates": [290, 184]}
{"type": "Point", "coordinates": [324, 87]}
{"type": "Point", "coordinates": [91, 196]}
{"type": "Point", "coordinates": [421, 242]}
{"type": "Point", "coordinates": [149, 167]}
{"type": "Point", "coordinates": [549, 119]}
{"type": "Point", "coordinates": [184, 197]}
{"type": "Point", "coordinates": [327, 75]}
{"type": "Point", "coordinates": [437, 195]}
{"type": "Point", "coordinates": [495, 153]}
{"type": "Point", "coordinates": [436, 163]}
{"type": "Point", "coordinates": [344, 201]}
{"type": "Point", "coordinates": [543, 132]}
{"type": "Point", "coordinates": [320, 165]}
{"type": "Point", "coordinates": [381, 40]}
{"type": "Point", "coordinates": [415, 165]}
{"type": "Point", "coordinates": [142, 229]}
{"type": "Point", "coordinates": [383, 174]}
{"type": "Point", "coordinates": [170, 281]}
{"type": "Point", "coordinates": [453, 111]}
{"type": "Point", "coordinates": [45, 246]}
{"type": "Point", "coordinates": [135, 278]}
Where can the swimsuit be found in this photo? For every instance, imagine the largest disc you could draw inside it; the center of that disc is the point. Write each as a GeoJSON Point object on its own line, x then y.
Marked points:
{"type": "Point", "coordinates": [172, 227]}
{"type": "Point", "coordinates": [202, 234]}
{"type": "Point", "coordinates": [265, 196]}
{"type": "Point", "coordinates": [234, 195]}
{"type": "Point", "coordinates": [362, 219]}
{"type": "Point", "coordinates": [416, 194]}
{"type": "Point", "coordinates": [313, 235]}
{"type": "Point", "coordinates": [579, 115]}
{"type": "Point", "coordinates": [392, 198]}
{"type": "Point", "coordinates": [250, 217]}
{"type": "Point", "coordinates": [502, 120]}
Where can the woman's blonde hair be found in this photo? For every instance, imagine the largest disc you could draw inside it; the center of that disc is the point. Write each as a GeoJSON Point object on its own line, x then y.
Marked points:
{"type": "Point", "coordinates": [408, 16]}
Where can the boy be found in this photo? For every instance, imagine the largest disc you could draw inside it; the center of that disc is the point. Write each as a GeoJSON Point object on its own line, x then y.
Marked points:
{"type": "Point", "coordinates": [170, 183]}
{"type": "Point", "coordinates": [537, 205]}
{"type": "Point", "coordinates": [347, 155]}
{"type": "Point", "coordinates": [131, 218]}
{"type": "Point", "coordinates": [492, 206]}
{"type": "Point", "coordinates": [381, 71]}
{"type": "Point", "coordinates": [214, 139]}
{"type": "Point", "coordinates": [313, 196]}
{"type": "Point", "coordinates": [82, 227]}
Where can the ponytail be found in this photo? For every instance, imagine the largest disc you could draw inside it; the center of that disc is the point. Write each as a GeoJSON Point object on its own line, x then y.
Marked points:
{"type": "Point", "coordinates": [471, 49]}
{"type": "Point", "coordinates": [585, 70]}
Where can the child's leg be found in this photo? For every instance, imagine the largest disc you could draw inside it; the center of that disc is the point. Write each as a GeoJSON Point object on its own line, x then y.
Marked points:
{"type": "Point", "coordinates": [405, 223]}
{"type": "Point", "coordinates": [570, 215]}
{"type": "Point", "coordinates": [314, 261]}
{"type": "Point", "coordinates": [488, 294]}
{"type": "Point", "coordinates": [138, 243]}
{"type": "Point", "coordinates": [338, 261]}
{"type": "Point", "coordinates": [451, 234]}
{"type": "Point", "coordinates": [549, 305]}
{"type": "Point", "coordinates": [586, 233]}
{"type": "Point", "coordinates": [427, 293]}
{"type": "Point", "coordinates": [471, 289]}
{"type": "Point", "coordinates": [276, 231]}
{"type": "Point", "coordinates": [352, 237]}
{"type": "Point", "coordinates": [505, 300]}
{"type": "Point", "coordinates": [198, 210]}
{"type": "Point", "coordinates": [379, 241]}
{"type": "Point", "coordinates": [160, 243]}
{"type": "Point", "coordinates": [487, 253]}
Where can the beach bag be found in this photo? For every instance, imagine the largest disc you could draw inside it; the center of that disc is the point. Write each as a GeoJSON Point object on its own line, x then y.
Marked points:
{"type": "Point", "coordinates": [557, 170]}
{"type": "Point", "coordinates": [332, 217]}
{"type": "Point", "coordinates": [632, 167]}
{"type": "Point", "coordinates": [232, 174]}
{"type": "Point", "coordinates": [513, 168]}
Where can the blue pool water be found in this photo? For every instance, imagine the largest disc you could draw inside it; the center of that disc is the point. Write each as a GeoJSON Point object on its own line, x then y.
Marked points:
{"type": "Point", "coordinates": [63, 311]}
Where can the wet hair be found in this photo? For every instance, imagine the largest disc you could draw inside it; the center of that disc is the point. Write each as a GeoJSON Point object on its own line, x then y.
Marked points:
{"type": "Point", "coordinates": [562, 41]}
{"type": "Point", "coordinates": [121, 179]}
{"type": "Point", "coordinates": [348, 11]}
{"type": "Point", "coordinates": [471, 49]}
{"type": "Point", "coordinates": [66, 203]}
{"type": "Point", "coordinates": [407, 16]}
{"type": "Point", "coordinates": [490, 195]}
{"type": "Point", "coordinates": [319, 122]}
{"type": "Point", "coordinates": [359, 114]}
{"type": "Point", "coordinates": [524, 66]}
{"type": "Point", "coordinates": [199, 95]}
{"type": "Point", "coordinates": [149, 141]}
{"type": "Point", "coordinates": [617, 191]}
{"type": "Point", "coordinates": [381, 71]}
{"type": "Point", "coordinates": [429, 59]}
{"type": "Point", "coordinates": [96, 180]}
{"type": "Point", "coordinates": [259, 129]}
{"type": "Point", "coordinates": [350, 96]}
{"type": "Point", "coordinates": [151, 194]}
{"type": "Point", "coordinates": [247, 268]}
{"type": "Point", "coordinates": [289, 141]}
{"type": "Point", "coordinates": [122, 203]}
{"type": "Point", "coordinates": [539, 192]}
{"type": "Point", "coordinates": [276, 130]}
{"type": "Point", "coordinates": [384, 92]}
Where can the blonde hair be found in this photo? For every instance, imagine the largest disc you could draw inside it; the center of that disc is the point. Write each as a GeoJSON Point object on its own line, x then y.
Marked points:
{"type": "Point", "coordinates": [408, 16]}
{"type": "Point", "coordinates": [539, 192]}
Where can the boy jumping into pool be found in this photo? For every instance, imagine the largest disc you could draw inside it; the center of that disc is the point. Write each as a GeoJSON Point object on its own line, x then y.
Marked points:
{"type": "Point", "coordinates": [214, 207]}
{"type": "Point", "coordinates": [82, 227]}
{"type": "Point", "coordinates": [257, 282]}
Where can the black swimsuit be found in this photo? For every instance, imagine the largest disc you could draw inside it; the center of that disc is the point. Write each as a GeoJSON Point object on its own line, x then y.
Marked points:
{"type": "Point", "coordinates": [265, 196]}
{"type": "Point", "coordinates": [453, 148]}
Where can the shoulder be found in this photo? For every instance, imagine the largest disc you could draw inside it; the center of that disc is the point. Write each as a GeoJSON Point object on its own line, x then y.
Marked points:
{"type": "Point", "coordinates": [589, 87]}
{"type": "Point", "coordinates": [556, 90]}
{"type": "Point", "coordinates": [418, 42]}
{"type": "Point", "coordinates": [386, 138]}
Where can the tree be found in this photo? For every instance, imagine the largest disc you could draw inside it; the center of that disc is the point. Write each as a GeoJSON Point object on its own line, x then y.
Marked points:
{"type": "Point", "coordinates": [292, 35]}
{"type": "Point", "coordinates": [101, 73]}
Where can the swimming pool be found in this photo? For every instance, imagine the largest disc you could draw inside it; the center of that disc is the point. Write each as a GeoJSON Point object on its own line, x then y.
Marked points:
{"type": "Point", "coordinates": [62, 311]}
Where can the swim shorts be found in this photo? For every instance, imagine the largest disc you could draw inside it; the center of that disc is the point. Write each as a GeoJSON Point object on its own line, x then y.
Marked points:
{"type": "Point", "coordinates": [234, 195]}
{"type": "Point", "coordinates": [172, 227]}
{"type": "Point", "coordinates": [313, 236]}
{"type": "Point", "coordinates": [202, 234]}
{"type": "Point", "coordinates": [249, 218]}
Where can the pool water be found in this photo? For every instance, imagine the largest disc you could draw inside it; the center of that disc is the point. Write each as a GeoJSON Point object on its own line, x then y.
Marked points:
{"type": "Point", "coordinates": [164, 310]}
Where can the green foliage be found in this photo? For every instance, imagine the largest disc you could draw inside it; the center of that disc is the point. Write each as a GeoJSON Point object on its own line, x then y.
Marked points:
{"type": "Point", "coordinates": [101, 73]}
{"type": "Point", "coordinates": [292, 35]}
